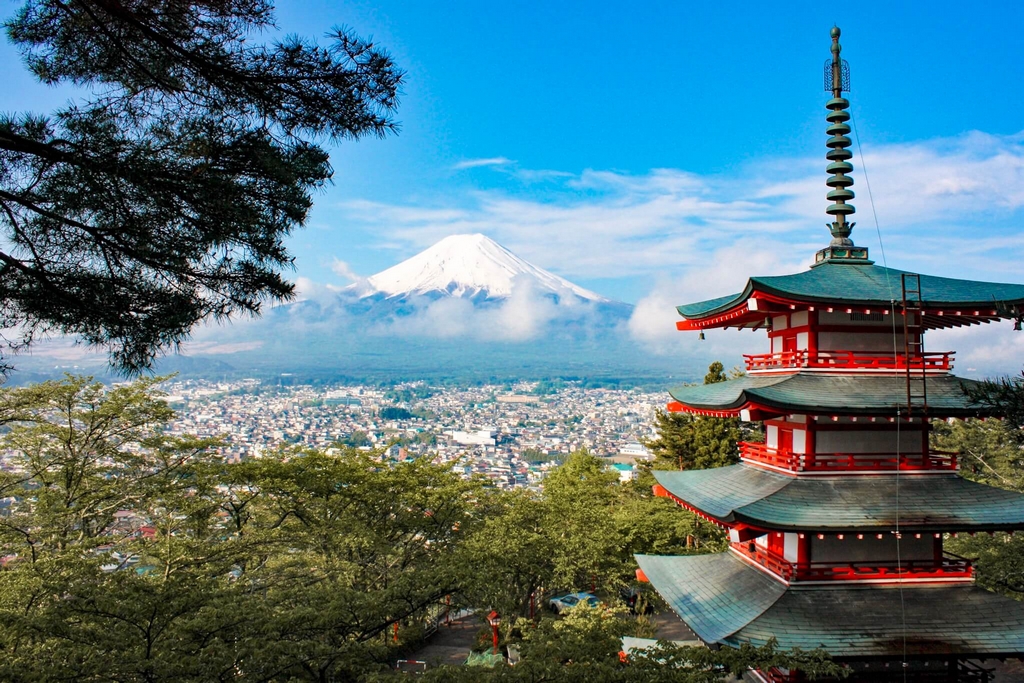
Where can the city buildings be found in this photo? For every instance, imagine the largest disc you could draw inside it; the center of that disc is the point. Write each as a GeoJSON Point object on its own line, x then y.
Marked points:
{"type": "Point", "coordinates": [506, 433]}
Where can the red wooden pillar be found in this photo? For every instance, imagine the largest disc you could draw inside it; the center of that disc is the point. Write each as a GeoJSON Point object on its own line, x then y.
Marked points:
{"type": "Point", "coordinates": [803, 553]}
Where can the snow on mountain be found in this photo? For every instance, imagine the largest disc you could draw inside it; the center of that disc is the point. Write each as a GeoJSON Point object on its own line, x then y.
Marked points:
{"type": "Point", "coordinates": [469, 266]}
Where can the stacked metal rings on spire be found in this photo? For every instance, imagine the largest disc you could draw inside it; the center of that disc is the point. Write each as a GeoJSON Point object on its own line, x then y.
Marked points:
{"type": "Point", "coordinates": [838, 142]}
{"type": "Point", "coordinates": [840, 156]}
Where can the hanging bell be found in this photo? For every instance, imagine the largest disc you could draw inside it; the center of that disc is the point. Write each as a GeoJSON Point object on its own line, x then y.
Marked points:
{"type": "Point", "coordinates": [1017, 325]}
{"type": "Point", "coordinates": [700, 337]}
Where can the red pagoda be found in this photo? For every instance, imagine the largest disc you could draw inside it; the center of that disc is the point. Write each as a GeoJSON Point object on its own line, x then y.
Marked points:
{"type": "Point", "coordinates": [837, 521]}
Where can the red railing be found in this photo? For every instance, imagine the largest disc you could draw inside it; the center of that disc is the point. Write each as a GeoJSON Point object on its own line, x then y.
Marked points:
{"type": "Point", "coordinates": [849, 360]}
{"type": "Point", "coordinates": [950, 567]}
{"type": "Point", "coordinates": [846, 462]}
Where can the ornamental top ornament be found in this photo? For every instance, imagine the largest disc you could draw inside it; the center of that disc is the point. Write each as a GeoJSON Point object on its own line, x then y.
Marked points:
{"type": "Point", "coordinates": [837, 79]}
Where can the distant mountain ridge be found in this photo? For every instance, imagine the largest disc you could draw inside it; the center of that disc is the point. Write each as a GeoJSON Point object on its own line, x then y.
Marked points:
{"type": "Point", "coordinates": [465, 308]}
{"type": "Point", "coordinates": [469, 267]}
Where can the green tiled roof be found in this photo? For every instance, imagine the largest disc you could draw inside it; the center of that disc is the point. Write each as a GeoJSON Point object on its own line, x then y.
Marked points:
{"type": "Point", "coordinates": [861, 284]}
{"type": "Point", "coordinates": [741, 493]}
{"type": "Point", "coordinates": [831, 394]}
{"type": "Point", "coordinates": [708, 601]}
{"type": "Point", "coordinates": [727, 601]}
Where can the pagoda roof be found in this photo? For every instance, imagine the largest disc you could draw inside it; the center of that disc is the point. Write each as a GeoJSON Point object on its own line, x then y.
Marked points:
{"type": "Point", "coordinates": [832, 394]}
{"type": "Point", "coordinates": [863, 285]}
{"type": "Point", "coordinates": [725, 600]}
{"type": "Point", "coordinates": [746, 494]}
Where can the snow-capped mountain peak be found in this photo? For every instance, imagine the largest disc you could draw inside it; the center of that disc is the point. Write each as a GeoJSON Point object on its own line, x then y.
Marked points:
{"type": "Point", "coordinates": [469, 266]}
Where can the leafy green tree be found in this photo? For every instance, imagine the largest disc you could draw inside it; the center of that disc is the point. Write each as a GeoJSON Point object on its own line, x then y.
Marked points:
{"type": "Point", "coordinates": [989, 450]}
{"type": "Point", "coordinates": [579, 496]}
{"type": "Point", "coordinates": [509, 562]}
{"type": "Point", "coordinates": [131, 555]}
{"type": "Point", "coordinates": [716, 373]}
{"type": "Point", "coordinates": [394, 413]}
{"type": "Point", "coordinates": [648, 525]}
{"type": "Point", "coordinates": [690, 442]}
{"type": "Point", "coordinates": [1007, 395]}
{"type": "Point", "coordinates": [162, 196]}
{"type": "Point", "coordinates": [357, 439]}
{"type": "Point", "coordinates": [989, 453]}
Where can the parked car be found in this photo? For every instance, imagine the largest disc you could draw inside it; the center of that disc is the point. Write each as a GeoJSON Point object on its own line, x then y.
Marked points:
{"type": "Point", "coordinates": [560, 604]}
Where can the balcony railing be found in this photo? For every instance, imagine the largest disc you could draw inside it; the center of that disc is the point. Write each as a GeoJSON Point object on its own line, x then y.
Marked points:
{"type": "Point", "coordinates": [949, 567]}
{"type": "Point", "coordinates": [849, 360]}
{"type": "Point", "coordinates": [786, 459]}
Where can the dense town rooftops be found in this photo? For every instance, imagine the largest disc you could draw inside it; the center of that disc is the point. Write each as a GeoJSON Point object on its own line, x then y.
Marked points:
{"type": "Point", "coordinates": [753, 496]}
{"type": "Point", "coordinates": [726, 601]}
{"type": "Point", "coordinates": [947, 301]}
{"type": "Point", "coordinates": [824, 394]}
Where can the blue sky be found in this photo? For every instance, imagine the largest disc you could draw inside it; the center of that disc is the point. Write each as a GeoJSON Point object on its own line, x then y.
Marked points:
{"type": "Point", "coordinates": [662, 153]}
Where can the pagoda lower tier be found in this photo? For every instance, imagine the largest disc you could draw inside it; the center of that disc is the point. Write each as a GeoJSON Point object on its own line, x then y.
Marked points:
{"type": "Point", "coordinates": [727, 601]}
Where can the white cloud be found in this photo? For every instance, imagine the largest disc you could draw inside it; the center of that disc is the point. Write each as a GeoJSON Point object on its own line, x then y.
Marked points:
{"type": "Point", "coordinates": [343, 269]}
{"type": "Point", "coordinates": [477, 163]}
{"type": "Point", "coordinates": [525, 315]}
{"type": "Point", "coordinates": [619, 225]}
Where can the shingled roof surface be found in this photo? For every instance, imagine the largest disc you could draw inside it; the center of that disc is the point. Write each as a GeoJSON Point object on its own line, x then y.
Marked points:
{"type": "Point", "coordinates": [861, 284]}
{"type": "Point", "coordinates": [742, 493]}
{"type": "Point", "coordinates": [726, 601]}
{"type": "Point", "coordinates": [719, 595]}
{"type": "Point", "coordinates": [819, 393]}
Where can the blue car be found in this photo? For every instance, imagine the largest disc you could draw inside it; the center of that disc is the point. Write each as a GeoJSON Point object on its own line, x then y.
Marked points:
{"type": "Point", "coordinates": [565, 602]}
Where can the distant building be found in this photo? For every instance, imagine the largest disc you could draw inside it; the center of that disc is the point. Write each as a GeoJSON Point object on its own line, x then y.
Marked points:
{"type": "Point", "coordinates": [625, 472]}
{"type": "Point", "coordinates": [482, 437]}
{"type": "Point", "coordinates": [636, 450]}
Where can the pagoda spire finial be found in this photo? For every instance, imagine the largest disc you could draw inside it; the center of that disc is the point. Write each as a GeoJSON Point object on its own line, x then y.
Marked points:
{"type": "Point", "coordinates": [837, 80]}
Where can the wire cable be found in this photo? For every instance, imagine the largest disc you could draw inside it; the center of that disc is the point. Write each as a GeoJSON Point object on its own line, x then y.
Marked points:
{"type": "Point", "coordinates": [895, 353]}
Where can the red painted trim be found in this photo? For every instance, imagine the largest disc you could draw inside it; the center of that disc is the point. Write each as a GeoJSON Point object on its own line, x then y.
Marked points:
{"type": "Point", "coordinates": [864, 424]}
{"type": "Point", "coordinates": [758, 412]}
{"type": "Point", "coordinates": [843, 360]}
{"type": "Point", "coordinates": [940, 569]}
{"type": "Point", "coordinates": [728, 317]}
{"type": "Point", "coordinates": [787, 459]}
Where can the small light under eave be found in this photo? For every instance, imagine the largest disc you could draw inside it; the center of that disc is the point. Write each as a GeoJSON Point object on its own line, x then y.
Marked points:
{"type": "Point", "coordinates": [1017, 324]}
{"type": "Point", "coordinates": [700, 337]}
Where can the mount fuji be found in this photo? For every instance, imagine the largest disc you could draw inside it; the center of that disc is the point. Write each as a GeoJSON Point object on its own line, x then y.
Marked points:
{"type": "Point", "coordinates": [465, 308]}
{"type": "Point", "coordinates": [471, 267]}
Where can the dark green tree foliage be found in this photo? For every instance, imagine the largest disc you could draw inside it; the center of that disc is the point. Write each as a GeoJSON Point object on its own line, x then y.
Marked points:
{"type": "Point", "coordinates": [1007, 395]}
{"type": "Point", "coordinates": [690, 442]}
{"type": "Point", "coordinates": [716, 373]}
{"type": "Point", "coordinates": [394, 413]}
{"type": "Point", "coordinates": [579, 534]}
{"type": "Point", "coordinates": [162, 197]}
{"type": "Point", "coordinates": [990, 453]}
{"type": "Point", "coordinates": [130, 555]}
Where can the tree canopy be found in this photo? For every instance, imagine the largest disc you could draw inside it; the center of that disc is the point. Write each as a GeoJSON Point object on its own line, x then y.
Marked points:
{"type": "Point", "coordinates": [161, 196]}
{"type": "Point", "coordinates": [131, 554]}
{"type": "Point", "coordinates": [690, 442]}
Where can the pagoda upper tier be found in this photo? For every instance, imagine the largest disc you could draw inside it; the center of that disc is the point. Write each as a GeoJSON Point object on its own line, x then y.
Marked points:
{"type": "Point", "coordinates": [856, 288]}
